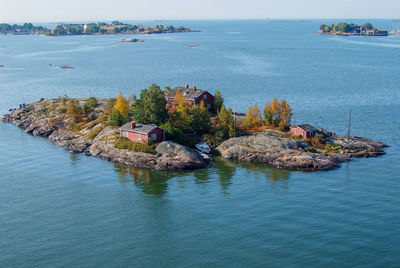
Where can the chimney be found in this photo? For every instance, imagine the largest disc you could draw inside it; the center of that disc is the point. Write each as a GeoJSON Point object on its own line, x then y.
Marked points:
{"type": "Point", "coordinates": [194, 88]}
{"type": "Point", "coordinates": [133, 124]}
{"type": "Point", "coordinates": [186, 86]}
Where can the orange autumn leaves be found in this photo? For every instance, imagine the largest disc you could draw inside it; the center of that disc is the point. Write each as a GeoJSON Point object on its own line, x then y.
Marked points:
{"type": "Point", "coordinates": [276, 114]}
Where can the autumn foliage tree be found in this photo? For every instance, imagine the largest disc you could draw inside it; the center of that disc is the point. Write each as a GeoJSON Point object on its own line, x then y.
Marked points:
{"type": "Point", "coordinates": [74, 110]}
{"type": "Point", "coordinates": [120, 113]}
{"type": "Point", "coordinates": [278, 114]}
{"type": "Point", "coordinates": [122, 105]}
{"type": "Point", "coordinates": [253, 117]}
{"type": "Point", "coordinates": [180, 117]}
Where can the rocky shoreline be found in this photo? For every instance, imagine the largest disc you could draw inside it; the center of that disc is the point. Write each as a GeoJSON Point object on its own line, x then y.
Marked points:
{"type": "Point", "coordinates": [272, 147]}
{"type": "Point", "coordinates": [280, 150]}
{"type": "Point", "coordinates": [169, 156]}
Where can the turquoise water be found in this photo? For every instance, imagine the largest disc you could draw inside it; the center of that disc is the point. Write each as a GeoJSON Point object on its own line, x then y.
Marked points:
{"type": "Point", "coordinates": [61, 209]}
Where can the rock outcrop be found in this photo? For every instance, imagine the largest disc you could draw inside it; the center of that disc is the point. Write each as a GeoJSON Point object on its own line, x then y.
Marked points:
{"type": "Point", "coordinates": [278, 149]}
{"type": "Point", "coordinates": [173, 156]}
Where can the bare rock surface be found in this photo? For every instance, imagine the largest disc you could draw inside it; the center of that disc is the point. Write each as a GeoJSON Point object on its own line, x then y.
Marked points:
{"type": "Point", "coordinates": [173, 156]}
{"type": "Point", "coordinates": [278, 149]}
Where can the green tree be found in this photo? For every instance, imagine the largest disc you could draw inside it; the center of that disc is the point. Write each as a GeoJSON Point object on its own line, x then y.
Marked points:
{"type": "Point", "coordinates": [200, 119]}
{"type": "Point", "coordinates": [268, 115]}
{"type": "Point", "coordinates": [173, 133]}
{"type": "Point", "coordinates": [218, 101]}
{"type": "Point", "coordinates": [225, 127]}
{"type": "Point", "coordinates": [344, 27]}
{"type": "Point", "coordinates": [116, 118]}
{"type": "Point", "coordinates": [368, 26]}
{"type": "Point", "coordinates": [151, 106]}
{"type": "Point", "coordinates": [89, 105]}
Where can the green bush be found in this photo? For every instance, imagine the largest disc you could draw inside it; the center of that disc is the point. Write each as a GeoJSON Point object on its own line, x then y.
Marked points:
{"type": "Point", "coordinates": [89, 105]}
{"type": "Point", "coordinates": [124, 143]}
{"type": "Point", "coordinates": [92, 134]}
{"type": "Point", "coordinates": [174, 133]}
{"type": "Point", "coordinates": [310, 150]}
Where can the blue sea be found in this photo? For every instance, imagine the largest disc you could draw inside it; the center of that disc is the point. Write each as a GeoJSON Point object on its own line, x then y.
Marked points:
{"type": "Point", "coordinates": [59, 209]}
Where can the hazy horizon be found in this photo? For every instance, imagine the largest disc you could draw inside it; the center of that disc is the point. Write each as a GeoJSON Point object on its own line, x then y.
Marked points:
{"type": "Point", "coordinates": [100, 10]}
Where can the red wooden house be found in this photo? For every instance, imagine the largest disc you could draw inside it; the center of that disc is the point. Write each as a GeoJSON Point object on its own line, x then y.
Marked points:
{"type": "Point", "coordinates": [142, 133]}
{"type": "Point", "coordinates": [193, 96]}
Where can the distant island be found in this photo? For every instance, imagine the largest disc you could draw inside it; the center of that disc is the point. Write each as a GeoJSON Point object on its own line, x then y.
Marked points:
{"type": "Point", "coordinates": [115, 27]}
{"type": "Point", "coordinates": [183, 128]}
{"type": "Point", "coordinates": [343, 28]}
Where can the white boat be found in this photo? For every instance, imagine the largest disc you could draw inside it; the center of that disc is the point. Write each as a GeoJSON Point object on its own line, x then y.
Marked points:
{"type": "Point", "coordinates": [203, 147]}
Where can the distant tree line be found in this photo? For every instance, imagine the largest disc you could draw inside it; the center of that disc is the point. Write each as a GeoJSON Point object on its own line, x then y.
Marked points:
{"type": "Point", "coordinates": [26, 27]}
{"type": "Point", "coordinates": [344, 27]}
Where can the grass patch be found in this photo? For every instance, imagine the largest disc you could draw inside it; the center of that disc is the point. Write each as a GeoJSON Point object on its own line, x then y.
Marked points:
{"type": "Point", "coordinates": [92, 134]}
{"type": "Point", "coordinates": [124, 143]}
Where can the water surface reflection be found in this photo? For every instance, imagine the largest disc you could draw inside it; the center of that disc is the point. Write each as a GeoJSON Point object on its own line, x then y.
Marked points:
{"type": "Point", "coordinates": [220, 171]}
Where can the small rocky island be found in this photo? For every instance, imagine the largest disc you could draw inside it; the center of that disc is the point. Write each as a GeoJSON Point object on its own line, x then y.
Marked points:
{"type": "Point", "coordinates": [343, 28]}
{"type": "Point", "coordinates": [98, 127]}
{"type": "Point", "coordinates": [131, 40]}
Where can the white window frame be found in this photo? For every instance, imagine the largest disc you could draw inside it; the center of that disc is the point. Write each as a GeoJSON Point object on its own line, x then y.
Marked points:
{"type": "Point", "coordinates": [139, 136]}
{"type": "Point", "coordinates": [126, 133]}
{"type": "Point", "coordinates": [205, 96]}
{"type": "Point", "coordinates": [154, 136]}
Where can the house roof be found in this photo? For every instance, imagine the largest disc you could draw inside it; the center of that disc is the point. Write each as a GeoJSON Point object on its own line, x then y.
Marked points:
{"type": "Point", "coordinates": [140, 128]}
{"type": "Point", "coordinates": [187, 93]}
{"type": "Point", "coordinates": [306, 127]}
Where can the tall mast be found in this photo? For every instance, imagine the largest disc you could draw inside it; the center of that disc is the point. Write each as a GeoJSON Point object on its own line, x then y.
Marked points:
{"type": "Point", "coordinates": [348, 129]}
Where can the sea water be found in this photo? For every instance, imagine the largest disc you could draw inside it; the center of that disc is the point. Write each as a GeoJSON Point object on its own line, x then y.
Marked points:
{"type": "Point", "coordinates": [60, 209]}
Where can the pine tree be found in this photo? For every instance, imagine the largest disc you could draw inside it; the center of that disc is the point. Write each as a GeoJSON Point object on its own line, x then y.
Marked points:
{"type": "Point", "coordinates": [150, 108]}
{"type": "Point", "coordinates": [116, 118]}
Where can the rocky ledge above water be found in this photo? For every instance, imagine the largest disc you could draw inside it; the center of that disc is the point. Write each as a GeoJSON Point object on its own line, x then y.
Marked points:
{"type": "Point", "coordinates": [282, 151]}
{"type": "Point", "coordinates": [169, 155]}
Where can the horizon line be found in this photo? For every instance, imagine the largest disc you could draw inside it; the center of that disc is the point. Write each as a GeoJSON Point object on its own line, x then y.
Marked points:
{"type": "Point", "coordinates": [200, 19]}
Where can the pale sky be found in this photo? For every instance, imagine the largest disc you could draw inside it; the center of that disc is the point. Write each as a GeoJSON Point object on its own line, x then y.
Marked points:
{"type": "Point", "coordinates": [97, 10]}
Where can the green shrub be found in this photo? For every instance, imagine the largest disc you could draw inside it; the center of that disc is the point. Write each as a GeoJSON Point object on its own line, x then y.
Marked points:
{"type": "Point", "coordinates": [62, 110]}
{"type": "Point", "coordinates": [89, 105]}
{"type": "Point", "coordinates": [174, 133]}
{"type": "Point", "coordinates": [124, 143]}
{"type": "Point", "coordinates": [310, 150]}
{"type": "Point", "coordinates": [92, 134]}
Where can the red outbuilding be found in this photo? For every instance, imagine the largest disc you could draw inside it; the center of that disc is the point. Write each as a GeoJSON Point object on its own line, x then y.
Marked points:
{"type": "Point", "coordinates": [193, 96]}
{"type": "Point", "coordinates": [304, 131]}
{"type": "Point", "coordinates": [142, 133]}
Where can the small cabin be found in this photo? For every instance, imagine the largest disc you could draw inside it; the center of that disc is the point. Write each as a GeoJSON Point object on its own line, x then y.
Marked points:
{"type": "Point", "coordinates": [305, 131]}
{"type": "Point", "coordinates": [142, 133]}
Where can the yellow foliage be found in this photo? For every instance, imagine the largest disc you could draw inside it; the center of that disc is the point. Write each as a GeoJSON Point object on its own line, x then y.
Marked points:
{"type": "Point", "coordinates": [122, 105]}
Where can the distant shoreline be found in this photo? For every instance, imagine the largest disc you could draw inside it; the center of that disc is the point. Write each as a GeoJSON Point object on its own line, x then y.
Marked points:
{"type": "Point", "coordinates": [100, 28]}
